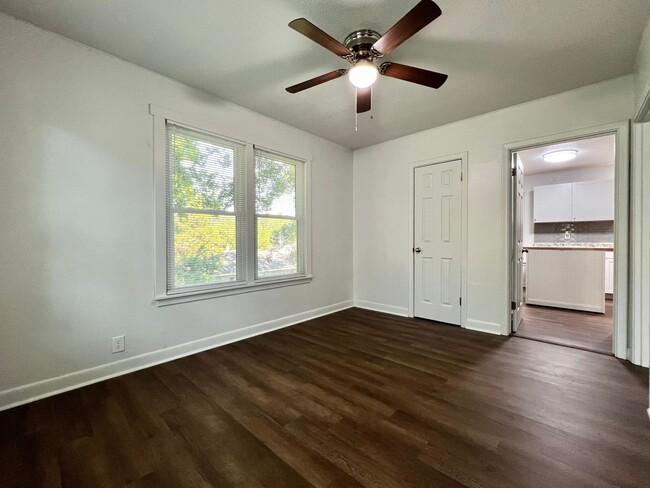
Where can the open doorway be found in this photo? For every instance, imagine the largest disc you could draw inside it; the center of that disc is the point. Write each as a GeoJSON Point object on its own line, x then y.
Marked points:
{"type": "Point", "coordinates": [563, 226]}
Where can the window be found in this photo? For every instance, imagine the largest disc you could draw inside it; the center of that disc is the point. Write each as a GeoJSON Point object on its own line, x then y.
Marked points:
{"type": "Point", "coordinates": [235, 216]}
{"type": "Point", "coordinates": [205, 210]}
{"type": "Point", "coordinates": [278, 222]}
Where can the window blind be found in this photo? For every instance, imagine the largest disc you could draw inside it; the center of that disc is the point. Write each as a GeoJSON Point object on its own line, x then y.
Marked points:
{"type": "Point", "coordinates": [205, 210]}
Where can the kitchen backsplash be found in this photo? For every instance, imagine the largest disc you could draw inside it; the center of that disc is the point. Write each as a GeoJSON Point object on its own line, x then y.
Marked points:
{"type": "Point", "coordinates": [580, 233]}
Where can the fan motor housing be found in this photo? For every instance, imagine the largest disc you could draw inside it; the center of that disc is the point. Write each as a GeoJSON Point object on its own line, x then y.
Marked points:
{"type": "Point", "coordinates": [360, 42]}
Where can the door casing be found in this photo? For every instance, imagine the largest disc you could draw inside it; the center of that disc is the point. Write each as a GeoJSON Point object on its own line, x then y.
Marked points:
{"type": "Point", "coordinates": [621, 130]}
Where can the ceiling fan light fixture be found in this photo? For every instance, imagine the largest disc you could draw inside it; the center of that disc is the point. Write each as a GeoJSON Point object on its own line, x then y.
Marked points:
{"type": "Point", "coordinates": [560, 156]}
{"type": "Point", "coordinates": [363, 74]}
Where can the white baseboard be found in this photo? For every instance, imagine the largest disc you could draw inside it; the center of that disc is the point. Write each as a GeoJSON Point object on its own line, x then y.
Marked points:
{"type": "Point", "coordinates": [478, 325]}
{"type": "Point", "coordinates": [380, 307]}
{"type": "Point", "coordinates": [483, 326]}
{"type": "Point", "coordinates": [52, 386]}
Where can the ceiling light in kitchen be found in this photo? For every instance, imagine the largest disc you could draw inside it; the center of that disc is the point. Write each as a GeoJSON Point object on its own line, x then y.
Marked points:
{"type": "Point", "coordinates": [560, 156]}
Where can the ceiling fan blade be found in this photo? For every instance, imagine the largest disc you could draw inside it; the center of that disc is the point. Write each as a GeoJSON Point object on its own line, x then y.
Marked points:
{"type": "Point", "coordinates": [414, 75]}
{"type": "Point", "coordinates": [364, 96]}
{"type": "Point", "coordinates": [332, 75]}
{"type": "Point", "coordinates": [422, 14]}
{"type": "Point", "coordinates": [309, 30]}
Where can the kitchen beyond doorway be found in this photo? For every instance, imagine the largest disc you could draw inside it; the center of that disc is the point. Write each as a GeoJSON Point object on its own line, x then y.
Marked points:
{"type": "Point", "coordinates": [566, 219]}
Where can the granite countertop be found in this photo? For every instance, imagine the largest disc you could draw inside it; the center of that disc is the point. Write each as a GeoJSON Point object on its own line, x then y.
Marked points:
{"type": "Point", "coordinates": [574, 246]}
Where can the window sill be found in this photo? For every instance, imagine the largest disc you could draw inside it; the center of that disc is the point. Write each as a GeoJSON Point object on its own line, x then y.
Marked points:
{"type": "Point", "coordinates": [194, 296]}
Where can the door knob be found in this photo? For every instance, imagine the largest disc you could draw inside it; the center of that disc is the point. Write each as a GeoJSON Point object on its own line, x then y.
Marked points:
{"type": "Point", "coordinates": [417, 249]}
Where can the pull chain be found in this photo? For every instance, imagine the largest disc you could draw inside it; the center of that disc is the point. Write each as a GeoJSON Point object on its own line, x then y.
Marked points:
{"type": "Point", "coordinates": [356, 114]}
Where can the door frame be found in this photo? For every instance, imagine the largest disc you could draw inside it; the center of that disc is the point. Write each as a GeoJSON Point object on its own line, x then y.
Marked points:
{"type": "Point", "coordinates": [621, 130]}
{"type": "Point", "coordinates": [463, 228]}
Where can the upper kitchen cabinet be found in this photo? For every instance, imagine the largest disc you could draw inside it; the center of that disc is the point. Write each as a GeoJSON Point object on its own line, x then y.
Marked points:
{"type": "Point", "coordinates": [552, 203]}
{"type": "Point", "coordinates": [593, 200]}
{"type": "Point", "coordinates": [583, 201]}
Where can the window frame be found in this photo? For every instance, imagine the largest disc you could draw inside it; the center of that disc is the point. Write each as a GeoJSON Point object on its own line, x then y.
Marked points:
{"type": "Point", "coordinates": [247, 234]}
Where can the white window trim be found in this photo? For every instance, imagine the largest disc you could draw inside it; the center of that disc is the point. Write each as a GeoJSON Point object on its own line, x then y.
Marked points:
{"type": "Point", "coordinates": [161, 295]}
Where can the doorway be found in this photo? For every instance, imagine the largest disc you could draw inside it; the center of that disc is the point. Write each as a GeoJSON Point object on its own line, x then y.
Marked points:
{"type": "Point", "coordinates": [437, 241]}
{"type": "Point", "coordinates": [568, 219]}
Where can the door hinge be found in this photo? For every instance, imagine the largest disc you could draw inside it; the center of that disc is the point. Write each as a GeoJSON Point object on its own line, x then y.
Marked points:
{"type": "Point", "coordinates": [513, 305]}
{"type": "Point", "coordinates": [461, 177]}
{"type": "Point", "coordinates": [460, 301]}
{"type": "Point", "coordinates": [514, 171]}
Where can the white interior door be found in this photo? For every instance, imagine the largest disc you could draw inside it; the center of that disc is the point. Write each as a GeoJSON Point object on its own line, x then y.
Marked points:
{"type": "Point", "coordinates": [518, 249]}
{"type": "Point", "coordinates": [437, 242]}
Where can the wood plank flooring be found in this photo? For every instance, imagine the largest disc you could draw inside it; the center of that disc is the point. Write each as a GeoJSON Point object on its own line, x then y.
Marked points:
{"type": "Point", "coordinates": [574, 328]}
{"type": "Point", "coordinates": [353, 399]}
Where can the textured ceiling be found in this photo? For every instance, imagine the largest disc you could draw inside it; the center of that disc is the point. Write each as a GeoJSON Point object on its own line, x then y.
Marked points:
{"type": "Point", "coordinates": [597, 151]}
{"type": "Point", "coordinates": [497, 53]}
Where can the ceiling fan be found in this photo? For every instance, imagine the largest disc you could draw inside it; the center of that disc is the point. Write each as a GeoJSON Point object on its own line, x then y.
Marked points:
{"type": "Point", "coordinates": [363, 46]}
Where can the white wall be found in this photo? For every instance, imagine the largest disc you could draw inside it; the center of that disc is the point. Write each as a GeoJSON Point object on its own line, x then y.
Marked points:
{"type": "Point", "coordinates": [605, 172]}
{"type": "Point", "coordinates": [642, 265]}
{"type": "Point", "coordinates": [381, 195]}
{"type": "Point", "coordinates": [642, 77]}
{"type": "Point", "coordinates": [641, 194]}
{"type": "Point", "coordinates": [76, 213]}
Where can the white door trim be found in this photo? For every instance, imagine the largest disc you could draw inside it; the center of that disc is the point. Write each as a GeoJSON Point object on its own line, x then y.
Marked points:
{"type": "Point", "coordinates": [463, 198]}
{"type": "Point", "coordinates": [621, 224]}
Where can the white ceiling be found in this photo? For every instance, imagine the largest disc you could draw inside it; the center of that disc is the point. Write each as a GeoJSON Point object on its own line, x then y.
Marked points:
{"type": "Point", "coordinates": [497, 53]}
{"type": "Point", "coordinates": [597, 151]}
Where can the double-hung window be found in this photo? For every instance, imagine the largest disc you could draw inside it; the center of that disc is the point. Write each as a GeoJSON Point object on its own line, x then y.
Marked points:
{"type": "Point", "coordinates": [235, 216]}
{"type": "Point", "coordinates": [278, 223]}
{"type": "Point", "coordinates": [205, 210]}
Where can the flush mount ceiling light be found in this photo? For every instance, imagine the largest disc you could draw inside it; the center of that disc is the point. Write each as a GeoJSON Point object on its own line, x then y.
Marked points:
{"type": "Point", "coordinates": [560, 156]}
{"type": "Point", "coordinates": [363, 74]}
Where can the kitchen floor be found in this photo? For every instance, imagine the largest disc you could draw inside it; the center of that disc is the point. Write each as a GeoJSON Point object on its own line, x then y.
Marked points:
{"type": "Point", "coordinates": [583, 330]}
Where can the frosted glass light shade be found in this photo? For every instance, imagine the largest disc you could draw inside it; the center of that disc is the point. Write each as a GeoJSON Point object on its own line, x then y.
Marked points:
{"type": "Point", "coordinates": [560, 156]}
{"type": "Point", "coordinates": [363, 74]}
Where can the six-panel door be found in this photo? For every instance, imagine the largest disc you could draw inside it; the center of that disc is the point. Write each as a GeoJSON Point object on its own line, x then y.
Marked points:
{"type": "Point", "coordinates": [437, 242]}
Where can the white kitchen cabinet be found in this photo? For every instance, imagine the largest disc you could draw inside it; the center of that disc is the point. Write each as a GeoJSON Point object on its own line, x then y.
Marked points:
{"type": "Point", "coordinates": [593, 200]}
{"type": "Point", "coordinates": [584, 201]}
{"type": "Point", "coordinates": [552, 203]}
{"type": "Point", "coordinates": [609, 272]}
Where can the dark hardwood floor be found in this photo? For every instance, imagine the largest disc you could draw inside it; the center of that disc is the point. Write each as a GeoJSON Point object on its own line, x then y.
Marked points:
{"type": "Point", "coordinates": [585, 330]}
{"type": "Point", "coordinates": [353, 399]}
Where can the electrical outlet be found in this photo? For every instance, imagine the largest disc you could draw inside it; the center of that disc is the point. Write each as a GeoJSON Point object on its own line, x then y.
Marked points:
{"type": "Point", "coordinates": [567, 235]}
{"type": "Point", "coordinates": [118, 344]}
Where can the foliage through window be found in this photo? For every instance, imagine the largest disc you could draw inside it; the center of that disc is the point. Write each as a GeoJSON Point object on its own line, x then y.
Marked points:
{"type": "Point", "coordinates": [213, 241]}
{"type": "Point", "coordinates": [277, 221]}
{"type": "Point", "coordinates": [204, 205]}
